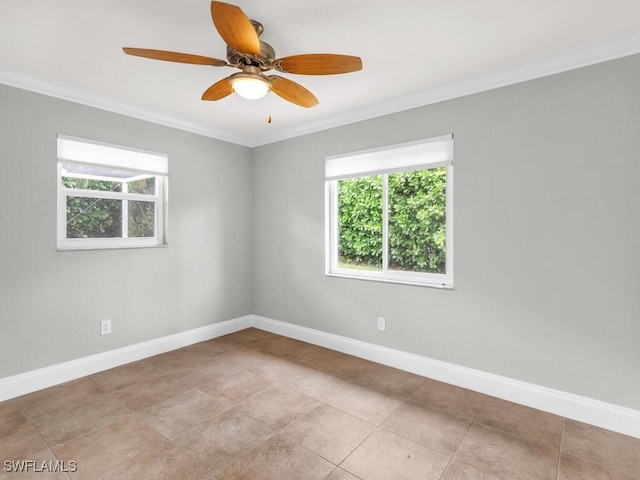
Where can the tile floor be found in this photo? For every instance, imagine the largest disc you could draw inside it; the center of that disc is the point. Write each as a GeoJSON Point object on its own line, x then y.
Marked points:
{"type": "Point", "coordinates": [253, 405]}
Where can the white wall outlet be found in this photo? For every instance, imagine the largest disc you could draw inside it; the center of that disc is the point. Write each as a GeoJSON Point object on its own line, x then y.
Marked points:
{"type": "Point", "coordinates": [105, 327]}
{"type": "Point", "coordinates": [382, 324]}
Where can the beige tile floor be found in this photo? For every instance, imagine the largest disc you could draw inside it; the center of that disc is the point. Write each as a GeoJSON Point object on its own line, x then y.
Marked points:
{"type": "Point", "coordinates": [253, 405]}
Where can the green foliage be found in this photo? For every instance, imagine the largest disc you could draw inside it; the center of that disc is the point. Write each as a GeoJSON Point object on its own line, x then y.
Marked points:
{"type": "Point", "coordinates": [93, 217]}
{"type": "Point", "coordinates": [142, 214]}
{"type": "Point", "coordinates": [417, 221]}
{"type": "Point", "coordinates": [360, 221]}
{"type": "Point", "coordinates": [145, 186]}
{"type": "Point", "coordinates": [87, 184]}
{"type": "Point", "coordinates": [141, 219]}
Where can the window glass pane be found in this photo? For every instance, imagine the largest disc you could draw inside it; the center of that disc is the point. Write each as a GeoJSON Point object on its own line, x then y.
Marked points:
{"type": "Point", "coordinates": [93, 218]}
{"type": "Point", "coordinates": [360, 223]}
{"type": "Point", "coordinates": [417, 220]}
{"type": "Point", "coordinates": [88, 184]}
{"type": "Point", "coordinates": [82, 170]}
{"type": "Point", "coordinates": [141, 219]}
{"type": "Point", "coordinates": [144, 186]}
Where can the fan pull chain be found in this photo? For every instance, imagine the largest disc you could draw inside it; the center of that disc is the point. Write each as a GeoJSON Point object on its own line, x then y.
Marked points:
{"type": "Point", "coordinates": [269, 117]}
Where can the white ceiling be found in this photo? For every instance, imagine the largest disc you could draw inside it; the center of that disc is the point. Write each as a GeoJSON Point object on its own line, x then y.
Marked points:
{"type": "Point", "coordinates": [414, 52]}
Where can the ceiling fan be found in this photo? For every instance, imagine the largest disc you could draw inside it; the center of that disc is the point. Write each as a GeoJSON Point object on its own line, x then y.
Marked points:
{"type": "Point", "coordinates": [253, 57]}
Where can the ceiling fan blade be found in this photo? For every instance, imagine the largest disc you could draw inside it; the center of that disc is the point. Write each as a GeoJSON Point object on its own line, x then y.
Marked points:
{"type": "Point", "coordinates": [318, 64]}
{"type": "Point", "coordinates": [174, 56]}
{"type": "Point", "coordinates": [218, 90]}
{"type": "Point", "coordinates": [235, 28]}
{"type": "Point", "coordinates": [292, 91]}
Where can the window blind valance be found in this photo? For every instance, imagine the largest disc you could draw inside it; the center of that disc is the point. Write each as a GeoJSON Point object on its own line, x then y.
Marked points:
{"type": "Point", "coordinates": [430, 153]}
{"type": "Point", "coordinates": [87, 152]}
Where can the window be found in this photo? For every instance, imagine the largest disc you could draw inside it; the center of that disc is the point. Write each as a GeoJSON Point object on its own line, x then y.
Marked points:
{"type": "Point", "coordinates": [109, 196]}
{"type": "Point", "coordinates": [389, 213]}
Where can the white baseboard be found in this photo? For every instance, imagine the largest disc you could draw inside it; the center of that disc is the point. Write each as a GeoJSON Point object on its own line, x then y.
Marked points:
{"type": "Point", "coordinates": [21, 384]}
{"type": "Point", "coordinates": [594, 412]}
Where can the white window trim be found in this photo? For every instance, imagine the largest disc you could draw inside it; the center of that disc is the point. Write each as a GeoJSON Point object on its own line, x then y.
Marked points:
{"type": "Point", "coordinates": [425, 154]}
{"type": "Point", "coordinates": [81, 151]}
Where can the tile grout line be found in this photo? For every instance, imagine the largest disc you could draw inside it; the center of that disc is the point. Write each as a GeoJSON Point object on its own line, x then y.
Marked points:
{"type": "Point", "coordinates": [137, 413]}
{"type": "Point", "coordinates": [351, 380]}
{"type": "Point", "coordinates": [325, 402]}
{"type": "Point", "coordinates": [197, 461]}
{"type": "Point", "coordinates": [245, 453]}
{"type": "Point", "coordinates": [167, 440]}
{"type": "Point", "coordinates": [356, 448]}
{"type": "Point", "coordinates": [462, 439]}
{"type": "Point", "coordinates": [408, 402]}
{"type": "Point", "coordinates": [135, 456]}
{"type": "Point", "coordinates": [273, 384]}
{"type": "Point", "coordinates": [132, 413]}
{"type": "Point", "coordinates": [28, 417]}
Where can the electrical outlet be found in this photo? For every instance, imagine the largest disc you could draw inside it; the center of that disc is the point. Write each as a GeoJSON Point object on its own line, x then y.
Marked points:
{"type": "Point", "coordinates": [382, 324]}
{"type": "Point", "coordinates": [105, 327]}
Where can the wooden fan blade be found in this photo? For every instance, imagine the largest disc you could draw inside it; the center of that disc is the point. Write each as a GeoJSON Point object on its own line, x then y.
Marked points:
{"type": "Point", "coordinates": [174, 56]}
{"type": "Point", "coordinates": [235, 28]}
{"type": "Point", "coordinates": [318, 64]}
{"type": "Point", "coordinates": [292, 91]}
{"type": "Point", "coordinates": [218, 90]}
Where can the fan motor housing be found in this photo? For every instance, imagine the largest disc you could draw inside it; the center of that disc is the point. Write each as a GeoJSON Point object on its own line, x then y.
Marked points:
{"type": "Point", "coordinates": [264, 60]}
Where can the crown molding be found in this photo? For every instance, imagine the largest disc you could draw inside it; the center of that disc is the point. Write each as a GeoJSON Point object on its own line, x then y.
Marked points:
{"type": "Point", "coordinates": [578, 58]}
{"type": "Point", "coordinates": [583, 57]}
{"type": "Point", "coordinates": [52, 88]}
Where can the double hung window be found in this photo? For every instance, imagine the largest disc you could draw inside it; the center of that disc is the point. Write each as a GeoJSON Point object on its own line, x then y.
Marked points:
{"type": "Point", "coordinates": [109, 196]}
{"type": "Point", "coordinates": [389, 213]}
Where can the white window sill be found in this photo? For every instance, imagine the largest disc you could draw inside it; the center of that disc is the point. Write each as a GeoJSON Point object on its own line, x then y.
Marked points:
{"type": "Point", "coordinates": [397, 281]}
{"type": "Point", "coordinates": [112, 247]}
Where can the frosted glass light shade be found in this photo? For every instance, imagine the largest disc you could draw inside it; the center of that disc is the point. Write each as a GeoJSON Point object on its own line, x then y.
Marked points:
{"type": "Point", "coordinates": [251, 88]}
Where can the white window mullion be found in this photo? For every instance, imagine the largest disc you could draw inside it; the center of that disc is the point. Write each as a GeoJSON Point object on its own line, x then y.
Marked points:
{"type": "Point", "coordinates": [159, 208]}
{"type": "Point", "coordinates": [106, 194]}
{"type": "Point", "coordinates": [385, 222]}
{"type": "Point", "coordinates": [125, 211]}
{"type": "Point", "coordinates": [157, 211]}
{"type": "Point", "coordinates": [449, 226]}
{"type": "Point", "coordinates": [334, 225]}
{"type": "Point", "coordinates": [62, 210]}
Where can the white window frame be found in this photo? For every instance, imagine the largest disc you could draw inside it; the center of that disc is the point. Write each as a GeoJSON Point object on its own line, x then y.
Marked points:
{"type": "Point", "coordinates": [142, 164]}
{"type": "Point", "coordinates": [420, 155]}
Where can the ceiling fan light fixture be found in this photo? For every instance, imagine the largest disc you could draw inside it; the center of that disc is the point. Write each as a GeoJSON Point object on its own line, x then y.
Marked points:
{"type": "Point", "coordinates": [251, 86]}
{"type": "Point", "coordinates": [248, 53]}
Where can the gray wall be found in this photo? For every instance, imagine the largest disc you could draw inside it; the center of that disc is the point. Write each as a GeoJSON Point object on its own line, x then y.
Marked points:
{"type": "Point", "coordinates": [547, 267]}
{"type": "Point", "coordinates": [547, 258]}
{"type": "Point", "coordinates": [51, 302]}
